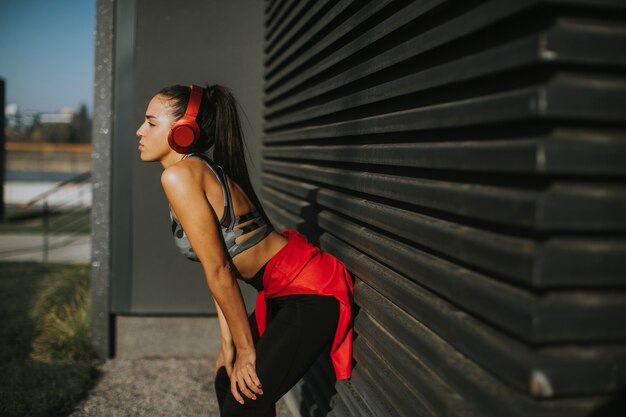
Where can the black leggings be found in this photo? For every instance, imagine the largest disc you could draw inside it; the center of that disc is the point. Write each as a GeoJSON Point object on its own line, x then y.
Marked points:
{"type": "Point", "coordinates": [301, 327]}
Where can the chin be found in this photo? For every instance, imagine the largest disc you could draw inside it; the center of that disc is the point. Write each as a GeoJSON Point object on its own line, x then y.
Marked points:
{"type": "Point", "coordinates": [146, 158]}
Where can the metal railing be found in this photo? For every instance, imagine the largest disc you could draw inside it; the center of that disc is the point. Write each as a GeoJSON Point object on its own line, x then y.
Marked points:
{"type": "Point", "coordinates": [64, 225]}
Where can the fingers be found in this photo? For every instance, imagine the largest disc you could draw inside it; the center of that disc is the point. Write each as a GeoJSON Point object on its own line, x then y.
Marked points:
{"type": "Point", "coordinates": [234, 391]}
{"type": "Point", "coordinates": [247, 383]}
{"type": "Point", "coordinates": [245, 390]}
{"type": "Point", "coordinates": [252, 381]}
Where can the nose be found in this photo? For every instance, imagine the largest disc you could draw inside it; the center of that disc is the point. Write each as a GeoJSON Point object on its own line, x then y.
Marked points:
{"type": "Point", "coordinates": [139, 131]}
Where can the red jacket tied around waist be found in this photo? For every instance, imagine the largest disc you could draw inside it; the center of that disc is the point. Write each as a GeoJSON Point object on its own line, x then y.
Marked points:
{"type": "Point", "coordinates": [302, 268]}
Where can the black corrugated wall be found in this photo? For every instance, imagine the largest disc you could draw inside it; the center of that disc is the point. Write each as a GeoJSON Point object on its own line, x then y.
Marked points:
{"type": "Point", "coordinates": [466, 160]}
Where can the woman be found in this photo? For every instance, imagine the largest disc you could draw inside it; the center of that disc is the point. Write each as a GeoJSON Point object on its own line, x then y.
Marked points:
{"type": "Point", "coordinates": [304, 300]}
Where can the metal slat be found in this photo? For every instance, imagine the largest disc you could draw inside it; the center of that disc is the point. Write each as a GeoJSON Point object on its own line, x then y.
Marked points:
{"type": "Point", "coordinates": [401, 400]}
{"type": "Point", "coordinates": [495, 252]}
{"type": "Point", "coordinates": [552, 46]}
{"type": "Point", "coordinates": [556, 262]}
{"type": "Point", "coordinates": [278, 4]}
{"type": "Point", "coordinates": [594, 206]}
{"type": "Point", "coordinates": [574, 97]}
{"type": "Point", "coordinates": [306, 29]}
{"type": "Point", "coordinates": [276, 19]}
{"type": "Point", "coordinates": [611, 5]}
{"type": "Point", "coordinates": [568, 370]}
{"type": "Point", "coordinates": [507, 107]}
{"type": "Point", "coordinates": [560, 152]}
{"type": "Point", "coordinates": [353, 400]}
{"type": "Point", "coordinates": [595, 42]}
{"type": "Point", "coordinates": [514, 56]}
{"type": "Point", "coordinates": [282, 218]}
{"type": "Point", "coordinates": [286, 23]}
{"type": "Point", "coordinates": [360, 16]}
{"type": "Point", "coordinates": [520, 260]}
{"type": "Point", "coordinates": [364, 382]}
{"type": "Point", "coordinates": [269, 6]}
{"type": "Point", "coordinates": [489, 203]}
{"type": "Point", "coordinates": [430, 390]}
{"type": "Point", "coordinates": [473, 21]}
{"type": "Point", "coordinates": [468, 380]}
{"type": "Point", "coordinates": [566, 316]}
{"type": "Point", "coordinates": [294, 205]}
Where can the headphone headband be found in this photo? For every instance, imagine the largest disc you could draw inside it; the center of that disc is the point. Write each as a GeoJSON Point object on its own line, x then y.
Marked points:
{"type": "Point", "coordinates": [195, 98]}
{"type": "Point", "coordinates": [186, 132]}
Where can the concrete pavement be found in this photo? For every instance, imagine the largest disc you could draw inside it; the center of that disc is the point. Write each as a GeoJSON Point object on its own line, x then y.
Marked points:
{"type": "Point", "coordinates": [163, 367]}
{"type": "Point", "coordinates": [30, 247]}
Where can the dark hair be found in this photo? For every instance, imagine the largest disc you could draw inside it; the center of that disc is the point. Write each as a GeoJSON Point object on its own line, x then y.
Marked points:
{"type": "Point", "coordinates": [220, 128]}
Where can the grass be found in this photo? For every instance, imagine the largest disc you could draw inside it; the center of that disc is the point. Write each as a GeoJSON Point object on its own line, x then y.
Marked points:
{"type": "Point", "coordinates": [30, 220]}
{"type": "Point", "coordinates": [45, 360]}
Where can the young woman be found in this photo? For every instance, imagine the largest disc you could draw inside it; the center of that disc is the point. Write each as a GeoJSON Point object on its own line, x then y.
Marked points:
{"type": "Point", "coordinates": [304, 300]}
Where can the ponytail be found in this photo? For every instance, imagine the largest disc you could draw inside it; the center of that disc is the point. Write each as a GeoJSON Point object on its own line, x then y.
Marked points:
{"type": "Point", "coordinates": [228, 150]}
{"type": "Point", "coordinates": [228, 144]}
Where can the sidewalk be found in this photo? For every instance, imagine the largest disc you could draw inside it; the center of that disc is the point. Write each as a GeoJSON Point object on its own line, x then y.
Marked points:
{"type": "Point", "coordinates": [163, 367]}
{"type": "Point", "coordinates": [171, 387]}
{"type": "Point", "coordinates": [61, 248]}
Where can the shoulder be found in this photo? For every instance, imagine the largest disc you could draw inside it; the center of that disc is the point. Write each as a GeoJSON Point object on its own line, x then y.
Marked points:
{"type": "Point", "coordinates": [178, 175]}
{"type": "Point", "coordinates": [188, 175]}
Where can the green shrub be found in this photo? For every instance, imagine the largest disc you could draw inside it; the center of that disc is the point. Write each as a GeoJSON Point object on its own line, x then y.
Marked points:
{"type": "Point", "coordinates": [45, 366]}
{"type": "Point", "coordinates": [61, 316]}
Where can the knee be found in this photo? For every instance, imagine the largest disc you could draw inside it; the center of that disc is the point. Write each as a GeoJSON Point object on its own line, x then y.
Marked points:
{"type": "Point", "coordinates": [221, 378]}
{"type": "Point", "coordinates": [232, 408]}
{"type": "Point", "coordinates": [263, 406]}
{"type": "Point", "coordinates": [222, 385]}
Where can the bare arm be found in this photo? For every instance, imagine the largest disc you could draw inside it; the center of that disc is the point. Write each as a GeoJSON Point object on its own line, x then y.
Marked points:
{"type": "Point", "coordinates": [226, 354]}
{"type": "Point", "coordinates": [198, 219]}
{"type": "Point", "coordinates": [227, 338]}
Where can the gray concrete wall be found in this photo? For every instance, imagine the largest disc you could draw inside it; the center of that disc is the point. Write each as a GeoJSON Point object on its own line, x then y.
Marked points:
{"type": "Point", "coordinates": [202, 42]}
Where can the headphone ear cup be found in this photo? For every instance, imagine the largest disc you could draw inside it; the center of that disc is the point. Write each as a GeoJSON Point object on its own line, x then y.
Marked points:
{"type": "Point", "coordinates": [183, 135]}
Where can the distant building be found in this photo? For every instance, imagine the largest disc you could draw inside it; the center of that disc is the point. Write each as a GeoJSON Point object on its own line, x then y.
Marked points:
{"type": "Point", "coordinates": [10, 115]}
{"type": "Point", "coordinates": [21, 120]}
{"type": "Point", "coordinates": [65, 116]}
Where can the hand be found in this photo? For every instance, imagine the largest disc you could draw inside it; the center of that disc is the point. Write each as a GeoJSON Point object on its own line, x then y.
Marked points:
{"type": "Point", "coordinates": [244, 375]}
{"type": "Point", "coordinates": [225, 358]}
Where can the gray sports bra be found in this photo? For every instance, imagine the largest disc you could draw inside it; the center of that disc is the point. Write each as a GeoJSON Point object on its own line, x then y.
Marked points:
{"type": "Point", "coordinates": [228, 222]}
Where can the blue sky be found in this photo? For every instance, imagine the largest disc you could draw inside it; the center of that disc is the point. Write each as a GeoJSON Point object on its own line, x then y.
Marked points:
{"type": "Point", "coordinates": [47, 53]}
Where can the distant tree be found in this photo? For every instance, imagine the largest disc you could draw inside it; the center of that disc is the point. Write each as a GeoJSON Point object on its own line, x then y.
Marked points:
{"type": "Point", "coordinates": [51, 132]}
{"type": "Point", "coordinates": [14, 135]}
{"type": "Point", "coordinates": [81, 126]}
{"type": "Point", "coordinates": [78, 130]}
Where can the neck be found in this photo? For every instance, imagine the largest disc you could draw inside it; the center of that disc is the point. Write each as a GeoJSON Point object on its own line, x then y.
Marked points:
{"type": "Point", "coordinates": [171, 158]}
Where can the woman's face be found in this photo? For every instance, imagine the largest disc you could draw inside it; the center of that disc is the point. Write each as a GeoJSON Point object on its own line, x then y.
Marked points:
{"type": "Point", "coordinates": [153, 131]}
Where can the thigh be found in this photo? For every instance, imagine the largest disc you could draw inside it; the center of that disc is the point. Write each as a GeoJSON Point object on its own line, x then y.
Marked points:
{"type": "Point", "coordinates": [302, 326]}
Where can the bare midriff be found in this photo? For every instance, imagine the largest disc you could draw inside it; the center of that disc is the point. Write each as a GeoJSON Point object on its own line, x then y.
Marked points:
{"type": "Point", "coordinates": [250, 261]}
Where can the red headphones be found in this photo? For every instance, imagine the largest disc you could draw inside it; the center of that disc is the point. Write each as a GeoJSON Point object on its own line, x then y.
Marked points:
{"type": "Point", "coordinates": [185, 132]}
